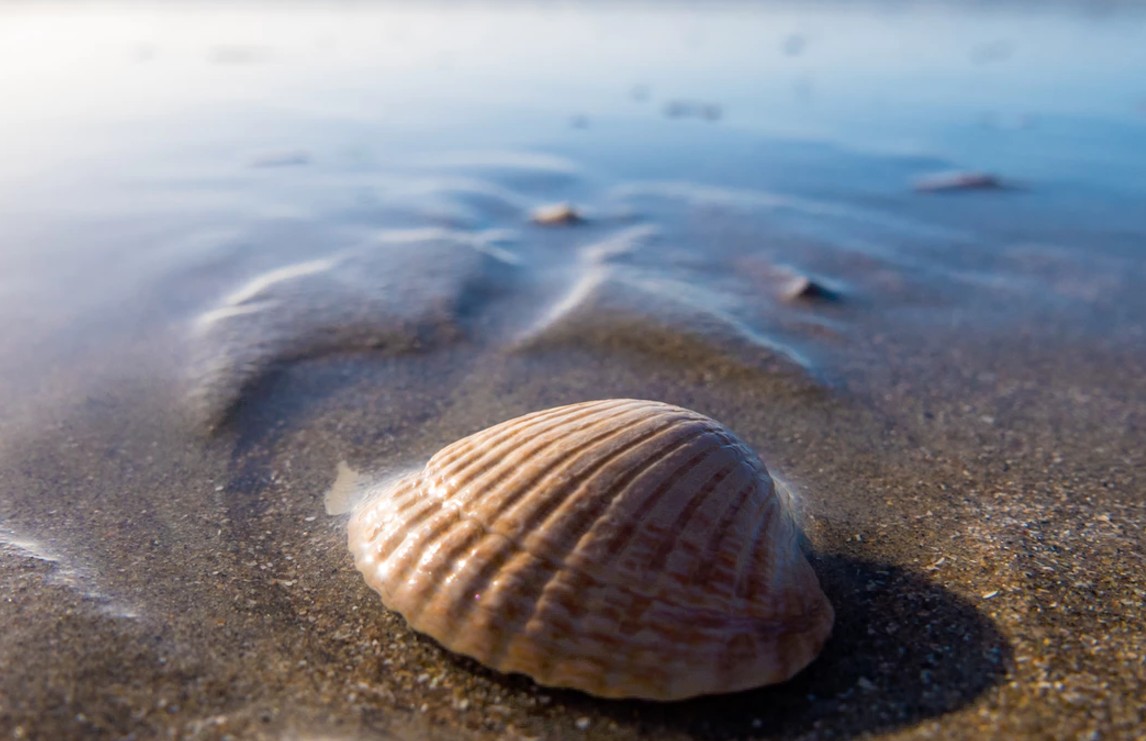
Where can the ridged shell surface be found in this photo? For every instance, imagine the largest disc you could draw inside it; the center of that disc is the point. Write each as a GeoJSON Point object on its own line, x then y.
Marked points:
{"type": "Point", "coordinates": [623, 548]}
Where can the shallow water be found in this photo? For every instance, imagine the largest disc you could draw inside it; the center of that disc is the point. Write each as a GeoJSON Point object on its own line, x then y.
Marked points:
{"type": "Point", "coordinates": [245, 244]}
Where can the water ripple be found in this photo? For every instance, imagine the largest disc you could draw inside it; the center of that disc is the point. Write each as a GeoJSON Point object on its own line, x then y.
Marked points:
{"type": "Point", "coordinates": [405, 292]}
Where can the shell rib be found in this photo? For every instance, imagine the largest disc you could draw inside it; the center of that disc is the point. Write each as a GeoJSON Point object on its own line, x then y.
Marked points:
{"type": "Point", "coordinates": [623, 548]}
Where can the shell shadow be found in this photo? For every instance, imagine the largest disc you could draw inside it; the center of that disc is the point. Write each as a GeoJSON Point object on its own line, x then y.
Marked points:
{"type": "Point", "coordinates": [903, 649]}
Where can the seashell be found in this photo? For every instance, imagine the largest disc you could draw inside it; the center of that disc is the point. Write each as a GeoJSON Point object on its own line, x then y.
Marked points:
{"type": "Point", "coordinates": [623, 548]}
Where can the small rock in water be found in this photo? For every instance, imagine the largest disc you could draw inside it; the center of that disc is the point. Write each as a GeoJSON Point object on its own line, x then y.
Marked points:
{"type": "Point", "coordinates": [557, 214]}
{"type": "Point", "coordinates": [803, 288]}
{"type": "Point", "coordinates": [958, 180]}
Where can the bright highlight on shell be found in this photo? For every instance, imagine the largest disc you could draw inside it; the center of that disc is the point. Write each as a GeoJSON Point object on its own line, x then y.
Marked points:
{"type": "Point", "coordinates": [623, 548]}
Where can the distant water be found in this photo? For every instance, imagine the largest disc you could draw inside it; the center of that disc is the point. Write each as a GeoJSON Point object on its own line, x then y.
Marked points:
{"type": "Point", "coordinates": [156, 152]}
{"type": "Point", "coordinates": [227, 228]}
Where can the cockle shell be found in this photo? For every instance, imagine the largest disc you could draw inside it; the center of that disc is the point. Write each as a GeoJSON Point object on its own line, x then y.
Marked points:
{"type": "Point", "coordinates": [623, 548]}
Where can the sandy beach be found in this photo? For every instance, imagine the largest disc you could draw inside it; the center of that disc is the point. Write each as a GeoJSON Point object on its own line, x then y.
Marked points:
{"type": "Point", "coordinates": [245, 245]}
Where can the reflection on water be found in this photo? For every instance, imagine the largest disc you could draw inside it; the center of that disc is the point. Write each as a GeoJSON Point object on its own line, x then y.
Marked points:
{"type": "Point", "coordinates": [881, 241]}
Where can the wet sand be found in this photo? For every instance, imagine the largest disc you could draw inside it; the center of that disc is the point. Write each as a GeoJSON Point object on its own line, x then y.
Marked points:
{"type": "Point", "coordinates": [194, 344]}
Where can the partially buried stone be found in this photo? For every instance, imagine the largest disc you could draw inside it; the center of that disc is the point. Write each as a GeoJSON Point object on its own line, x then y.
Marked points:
{"type": "Point", "coordinates": [958, 180]}
{"type": "Point", "coordinates": [557, 214]}
{"type": "Point", "coordinates": [803, 288]}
